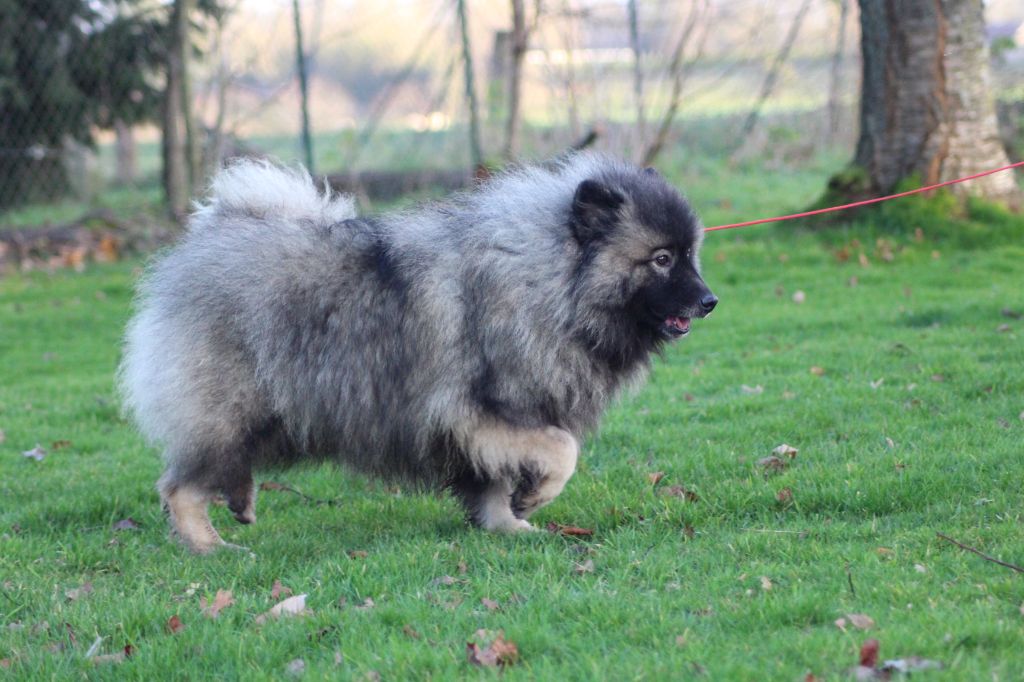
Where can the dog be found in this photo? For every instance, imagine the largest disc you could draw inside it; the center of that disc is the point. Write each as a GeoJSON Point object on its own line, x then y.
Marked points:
{"type": "Point", "coordinates": [466, 345]}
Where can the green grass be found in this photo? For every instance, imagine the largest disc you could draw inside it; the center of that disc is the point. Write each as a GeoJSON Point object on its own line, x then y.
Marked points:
{"type": "Point", "coordinates": [924, 327]}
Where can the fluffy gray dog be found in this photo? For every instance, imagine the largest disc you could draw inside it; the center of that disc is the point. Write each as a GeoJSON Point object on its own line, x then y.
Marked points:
{"type": "Point", "coordinates": [468, 344]}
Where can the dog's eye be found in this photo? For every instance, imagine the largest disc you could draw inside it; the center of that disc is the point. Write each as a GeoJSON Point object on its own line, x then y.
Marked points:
{"type": "Point", "coordinates": [662, 259]}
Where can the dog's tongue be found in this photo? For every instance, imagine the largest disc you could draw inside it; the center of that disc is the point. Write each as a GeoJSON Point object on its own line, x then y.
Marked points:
{"type": "Point", "coordinates": [680, 324]}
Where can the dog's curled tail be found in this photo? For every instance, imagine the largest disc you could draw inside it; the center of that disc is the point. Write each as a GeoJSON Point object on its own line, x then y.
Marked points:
{"type": "Point", "coordinates": [262, 189]}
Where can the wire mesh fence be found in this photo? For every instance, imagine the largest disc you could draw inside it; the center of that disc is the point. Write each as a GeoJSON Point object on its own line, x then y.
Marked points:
{"type": "Point", "coordinates": [110, 102]}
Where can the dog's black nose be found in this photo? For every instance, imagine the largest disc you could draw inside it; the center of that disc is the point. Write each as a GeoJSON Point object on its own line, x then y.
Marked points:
{"type": "Point", "coordinates": [708, 302]}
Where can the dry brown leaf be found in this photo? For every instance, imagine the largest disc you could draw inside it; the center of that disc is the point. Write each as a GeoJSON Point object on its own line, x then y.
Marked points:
{"type": "Point", "coordinates": [221, 601]}
{"type": "Point", "coordinates": [766, 583]}
{"type": "Point", "coordinates": [277, 590]}
{"type": "Point", "coordinates": [681, 492]}
{"type": "Point", "coordinates": [490, 604]}
{"type": "Point", "coordinates": [127, 524]}
{"type": "Point", "coordinates": [655, 477]}
{"type": "Point", "coordinates": [771, 464]}
{"type": "Point", "coordinates": [174, 624]}
{"type": "Point", "coordinates": [499, 652]}
{"type": "Point", "coordinates": [358, 554]}
{"type": "Point", "coordinates": [289, 608]}
{"type": "Point", "coordinates": [272, 485]}
{"type": "Point", "coordinates": [411, 632]}
{"type": "Point", "coordinates": [366, 605]}
{"type": "Point", "coordinates": [861, 621]}
{"type": "Point", "coordinates": [785, 496]}
{"type": "Point", "coordinates": [295, 667]}
{"type": "Point", "coordinates": [37, 453]}
{"type": "Point", "coordinates": [869, 653]}
{"type": "Point", "coordinates": [60, 444]}
{"type": "Point", "coordinates": [585, 567]}
{"type": "Point", "coordinates": [817, 371]}
{"type": "Point", "coordinates": [574, 531]}
{"type": "Point", "coordinates": [78, 592]}
{"type": "Point", "coordinates": [785, 450]}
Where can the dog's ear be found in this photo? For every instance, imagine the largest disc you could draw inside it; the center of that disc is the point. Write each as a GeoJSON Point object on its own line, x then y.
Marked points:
{"type": "Point", "coordinates": [595, 210]}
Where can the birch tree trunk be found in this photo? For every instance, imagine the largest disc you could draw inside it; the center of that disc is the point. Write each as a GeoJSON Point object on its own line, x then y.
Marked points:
{"type": "Point", "coordinates": [926, 105]}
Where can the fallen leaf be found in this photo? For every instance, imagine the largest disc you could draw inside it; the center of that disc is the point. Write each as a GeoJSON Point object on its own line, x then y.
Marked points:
{"type": "Point", "coordinates": [272, 485]}
{"type": "Point", "coordinates": [910, 664]}
{"type": "Point", "coordinates": [499, 652]}
{"type": "Point", "coordinates": [938, 378]}
{"type": "Point", "coordinates": [221, 601]}
{"type": "Point", "coordinates": [861, 621]}
{"type": "Point", "coordinates": [681, 492]}
{"type": "Point", "coordinates": [863, 260]}
{"type": "Point", "coordinates": [289, 608]}
{"type": "Point", "coordinates": [890, 442]}
{"type": "Point", "coordinates": [1012, 314]}
{"type": "Point", "coordinates": [817, 371]}
{"type": "Point", "coordinates": [410, 632]}
{"type": "Point", "coordinates": [490, 604]}
{"type": "Point", "coordinates": [869, 653]}
{"type": "Point", "coordinates": [586, 567]}
{"type": "Point", "coordinates": [358, 554]}
{"type": "Point", "coordinates": [127, 524]}
{"type": "Point", "coordinates": [104, 659]}
{"type": "Point", "coordinates": [785, 450]}
{"type": "Point", "coordinates": [366, 605]}
{"type": "Point", "coordinates": [920, 568]}
{"type": "Point", "coordinates": [445, 580]}
{"type": "Point", "coordinates": [771, 464]}
{"type": "Point", "coordinates": [463, 568]}
{"type": "Point", "coordinates": [574, 531]}
{"type": "Point", "coordinates": [78, 592]}
{"type": "Point", "coordinates": [174, 624]}
{"type": "Point", "coordinates": [58, 444]}
{"type": "Point", "coordinates": [655, 477]}
{"type": "Point", "coordinates": [37, 453]}
{"type": "Point", "coordinates": [799, 297]}
{"type": "Point", "coordinates": [295, 667]}
{"type": "Point", "coordinates": [876, 383]}
{"type": "Point", "coordinates": [1003, 328]}
{"type": "Point", "coordinates": [766, 583]}
{"type": "Point", "coordinates": [680, 640]}
{"type": "Point", "coordinates": [5, 663]}
{"type": "Point", "coordinates": [785, 496]}
{"type": "Point", "coordinates": [841, 624]}
{"type": "Point", "coordinates": [752, 390]}
{"type": "Point", "coordinates": [277, 590]}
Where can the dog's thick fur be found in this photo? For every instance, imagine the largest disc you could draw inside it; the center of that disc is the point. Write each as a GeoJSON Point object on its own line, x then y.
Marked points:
{"type": "Point", "coordinates": [468, 344]}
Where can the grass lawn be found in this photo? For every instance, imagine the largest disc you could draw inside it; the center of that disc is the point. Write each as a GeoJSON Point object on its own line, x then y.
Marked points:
{"type": "Point", "coordinates": [911, 424]}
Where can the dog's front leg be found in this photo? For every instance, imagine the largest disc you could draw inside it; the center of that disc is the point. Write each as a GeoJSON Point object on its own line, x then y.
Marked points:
{"type": "Point", "coordinates": [517, 471]}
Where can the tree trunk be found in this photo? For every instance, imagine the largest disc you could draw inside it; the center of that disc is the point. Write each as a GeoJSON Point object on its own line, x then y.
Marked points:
{"type": "Point", "coordinates": [836, 71]}
{"type": "Point", "coordinates": [520, 38]}
{"type": "Point", "coordinates": [124, 144]}
{"type": "Point", "coordinates": [173, 142]}
{"type": "Point", "coordinates": [638, 77]}
{"type": "Point", "coordinates": [300, 64]}
{"type": "Point", "coordinates": [926, 107]}
{"type": "Point", "coordinates": [475, 148]}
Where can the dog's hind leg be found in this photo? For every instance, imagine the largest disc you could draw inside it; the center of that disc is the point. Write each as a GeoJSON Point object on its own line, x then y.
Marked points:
{"type": "Point", "coordinates": [187, 503]}
{"type": "Point", "coordinates": [242, 498]}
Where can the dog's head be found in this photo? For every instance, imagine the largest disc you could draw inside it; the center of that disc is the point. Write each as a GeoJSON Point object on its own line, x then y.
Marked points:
{"type": "Point", "coordinates": [640, 241]}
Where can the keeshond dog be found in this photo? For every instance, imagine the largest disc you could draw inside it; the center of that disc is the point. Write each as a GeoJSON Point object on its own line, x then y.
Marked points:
{"type": "Point", "coordinates": [466, 345]}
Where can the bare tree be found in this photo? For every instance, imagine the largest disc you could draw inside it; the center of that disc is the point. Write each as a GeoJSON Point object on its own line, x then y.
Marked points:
{"type": "Point", "coordinates": [836, 75]}
{"type": "Point", "coordinates": [638, 74]}
{"type": "Point", "coordinates": [772, 77]}
{"type": "Point", "coordinates": [679, 73]}
{"type": "Point", "coordinates": [300, 63]}
{"type": "Point", "coordinates": [520, 40]}
{"type": "Point", "coordinates": [176, 172]}
{"type": "Point", "coordinates": [476, 150]}
{"type": "Point", "coordinates": [927, 109]}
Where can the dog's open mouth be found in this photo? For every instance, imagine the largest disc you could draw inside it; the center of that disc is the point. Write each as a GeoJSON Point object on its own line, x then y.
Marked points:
{"type": "Point", "coordinates": [674, 327]}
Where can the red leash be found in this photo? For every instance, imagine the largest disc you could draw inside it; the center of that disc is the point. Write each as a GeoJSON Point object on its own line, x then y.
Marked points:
{"type": "Point", "coordinates": [865, 202]}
